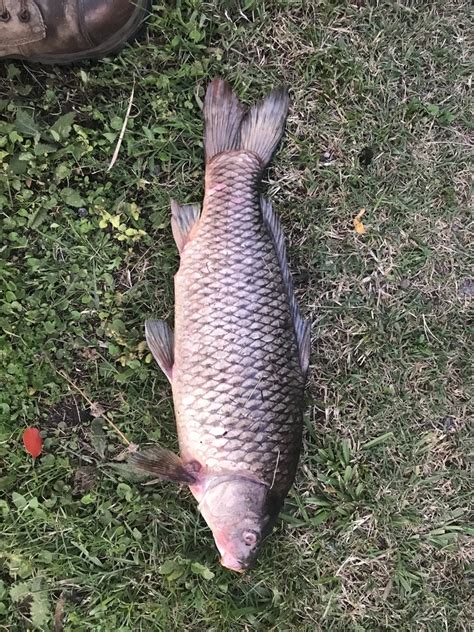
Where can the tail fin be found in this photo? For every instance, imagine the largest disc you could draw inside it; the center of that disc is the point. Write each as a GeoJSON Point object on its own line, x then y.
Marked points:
{"type": "Point", "coordinates": [223, 115]}
{"type": "Point", "coordinates": [263, 126]}
{"type": "Point", "coordinates": [226, 127]}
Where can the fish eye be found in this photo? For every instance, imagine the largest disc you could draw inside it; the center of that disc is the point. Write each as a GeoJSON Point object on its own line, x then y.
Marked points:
{"type": "Point", "coordinates": [250, 538]}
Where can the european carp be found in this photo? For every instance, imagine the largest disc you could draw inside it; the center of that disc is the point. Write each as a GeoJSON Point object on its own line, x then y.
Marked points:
{"type": "Point", "coordinates": [238, 359]}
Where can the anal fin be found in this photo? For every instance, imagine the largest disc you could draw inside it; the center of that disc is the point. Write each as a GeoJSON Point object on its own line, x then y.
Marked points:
{"type": "Point", "coordinates": [160, 341]}
{"type": "Point", "coordinates": [163, 464]}
{"type": "Point", "coordinates": [183, 218]}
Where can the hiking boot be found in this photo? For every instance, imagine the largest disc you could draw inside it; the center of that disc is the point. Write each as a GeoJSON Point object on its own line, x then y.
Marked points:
{"type": "Point", "coordinates": [59, 32]}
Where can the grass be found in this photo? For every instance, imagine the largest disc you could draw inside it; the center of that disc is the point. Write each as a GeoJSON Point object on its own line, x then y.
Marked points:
{"type": "Point", "coordinates": [375, 534]}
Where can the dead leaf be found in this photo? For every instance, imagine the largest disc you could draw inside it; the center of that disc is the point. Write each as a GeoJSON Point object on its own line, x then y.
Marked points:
{"type": "Point", "coordinates": [84, 479]}
{"type": "Point", "coordinates": [358, 225]}
{"type": "Point", "coordinates": [89, 354]}
{"type": "Point", "coordinates": [32, 441]}
{"type": "Point", "coordinates": [123, 454]}
{"type": "Point", "coordinates": [128, 473]}
{"type": "Point", "coordinates": [97, 410]}
{"type": "Point", "coordinates": [98, 437]}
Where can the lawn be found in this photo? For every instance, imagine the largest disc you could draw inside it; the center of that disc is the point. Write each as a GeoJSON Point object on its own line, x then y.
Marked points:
{"type": "Point", "coordinates": [375, 534]}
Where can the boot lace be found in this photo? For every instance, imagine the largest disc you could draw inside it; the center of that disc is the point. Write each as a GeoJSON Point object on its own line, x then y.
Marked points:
{"type": "Point", "coordinates": [24, 14]}
{"type": "Point", "coordinates": [4, 12]}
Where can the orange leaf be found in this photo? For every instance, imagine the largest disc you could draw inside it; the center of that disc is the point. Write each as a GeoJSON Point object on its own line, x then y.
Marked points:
{"type": "Point", "coordinates": [358, 225]}
{"type": "Point", "coordinates": [32, 441]}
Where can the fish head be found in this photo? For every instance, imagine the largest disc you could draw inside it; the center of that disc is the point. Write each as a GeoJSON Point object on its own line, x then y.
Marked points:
{"type": "Point", "coordinates": [240, 512]}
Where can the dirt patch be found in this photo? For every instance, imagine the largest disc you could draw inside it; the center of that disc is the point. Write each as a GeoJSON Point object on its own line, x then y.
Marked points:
{"type": "Point", "coordinates": [66, 414]}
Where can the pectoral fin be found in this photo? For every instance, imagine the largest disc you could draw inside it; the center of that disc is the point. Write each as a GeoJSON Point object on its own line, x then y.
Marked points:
{"type": "Point", "coordinates": [163, 464]}
{"type": "Point", "coordinates": [160, 341]}
{"type": "Point", "coordinates": [183, 218]}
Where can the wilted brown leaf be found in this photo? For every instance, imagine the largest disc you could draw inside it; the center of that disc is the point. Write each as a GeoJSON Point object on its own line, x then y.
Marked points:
{"type": "Point", "coordinates": [358, 225]}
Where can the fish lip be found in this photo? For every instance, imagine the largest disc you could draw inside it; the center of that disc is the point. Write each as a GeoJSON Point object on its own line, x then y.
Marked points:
{"type": "Point", "coordinates": [232, 567]}
{"type": "Point", "coordinates": [235, 564]}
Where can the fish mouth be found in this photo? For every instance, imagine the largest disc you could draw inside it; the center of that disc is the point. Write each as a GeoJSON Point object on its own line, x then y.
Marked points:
{"type": "Point", "coordinates": [233, 564]}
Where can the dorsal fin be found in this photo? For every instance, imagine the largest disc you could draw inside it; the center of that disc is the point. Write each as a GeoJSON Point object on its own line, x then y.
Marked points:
{"type": "Point", "coordinates": [301, 325]}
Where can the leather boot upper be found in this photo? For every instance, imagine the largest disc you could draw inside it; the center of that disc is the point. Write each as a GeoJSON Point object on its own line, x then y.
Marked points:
{"type": "Point", "coordinates": [65, 30]}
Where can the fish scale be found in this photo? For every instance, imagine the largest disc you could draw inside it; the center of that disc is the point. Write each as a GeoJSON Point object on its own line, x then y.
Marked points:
{"type": "Point", "coordinates": [238, 385]}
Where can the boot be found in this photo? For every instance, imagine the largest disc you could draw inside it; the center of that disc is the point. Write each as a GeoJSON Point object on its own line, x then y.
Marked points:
{"type": "Point", "coordinates": [64, 31]}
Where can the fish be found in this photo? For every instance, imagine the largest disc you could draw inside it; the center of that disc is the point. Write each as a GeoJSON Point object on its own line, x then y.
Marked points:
{"type": "Point", "coordinates": [239, 355]}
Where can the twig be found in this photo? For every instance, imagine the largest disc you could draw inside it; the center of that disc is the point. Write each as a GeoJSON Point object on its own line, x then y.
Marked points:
{"type": "Point", "coordinates": [91, 403]}
{"type": "Point", "coordinates": [122, 131]}
{"type": "Point", "coordinates": [59, 612]}
{"type": "Point", "coordinates": [276, 468]}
